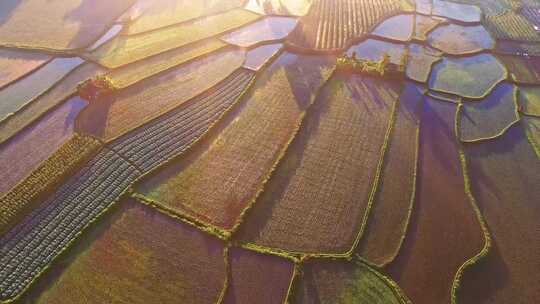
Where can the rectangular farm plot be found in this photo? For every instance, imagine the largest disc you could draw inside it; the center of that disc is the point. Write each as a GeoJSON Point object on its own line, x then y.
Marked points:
{"type": "Point", "coordinates": [127, 109]}
{"type": "Point", "coordinates": [316, 200]}
{"type": "Point", "coordinates": [28, 149]}
{"type": "Point", "coordinates": [127, 49]}
{"type": "Point", "coordinates": [27, 194]}
{"type": "Point", "coordinates": [57, 25]}
{"type": "Point", "coordinates": [216, 184]}
{"type": "Point", "coordinates": [258, 278]}
{"type": "Point", "coordinates": [138, 255]}
{"type": "Point", "coordinates": [130, 74]}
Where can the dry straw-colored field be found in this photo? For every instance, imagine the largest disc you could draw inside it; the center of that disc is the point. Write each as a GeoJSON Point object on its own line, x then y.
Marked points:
{"type": "Point", "coordinates": [217, 183]}
{"type": "Point", "coordinates": [320, 194]}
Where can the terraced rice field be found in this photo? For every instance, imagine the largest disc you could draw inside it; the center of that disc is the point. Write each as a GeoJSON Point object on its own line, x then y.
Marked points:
{"type": "Point", "coordinates": [122, 111]}
{"type": "Point", "coordinates": [270, 151]}
{"type": "Point", "coordinates": [529, 100]}
{"type": "Point", "coordinates": [128, 75]}
{"type": "Point", "coordinates": [389, 219]}
{"type": "Point", "coordinates": [333, 25]}
{"type": "Point", "coordinates": [512, 26]}
{"type": "Point", "coordinates": [334, 161]}
{"type": "Point", "coordinates": [271, 28]}
{"type": "Point", "coordinates": [216, 185]}
{"type": "Point", "coordinates": [420, 62]}
{"type": "Point", "coordinates": [460, 40]}
{"type": "Point", "coordinates": [424, 25]}
{"type": "Point", "coordinates": [470, 77]}
{"type": "Point", "coordinates": [278, 7]}
{"type": "Point", "coordinates": [150, 15]}
{"type": "Point", "coordinates": [57, 25]}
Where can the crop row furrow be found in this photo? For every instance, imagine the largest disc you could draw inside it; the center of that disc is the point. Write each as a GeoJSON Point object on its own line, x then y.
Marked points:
{"type": "Point", "coordinates": [166, 137]}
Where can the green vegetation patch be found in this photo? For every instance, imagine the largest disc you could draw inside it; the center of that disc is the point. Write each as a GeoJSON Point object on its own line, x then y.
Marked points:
{"type": "Point", "coordinates": [22, 199]}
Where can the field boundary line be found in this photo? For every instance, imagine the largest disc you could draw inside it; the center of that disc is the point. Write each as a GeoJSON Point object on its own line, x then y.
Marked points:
{"type": "Point", "coordinates": [456, 282]}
